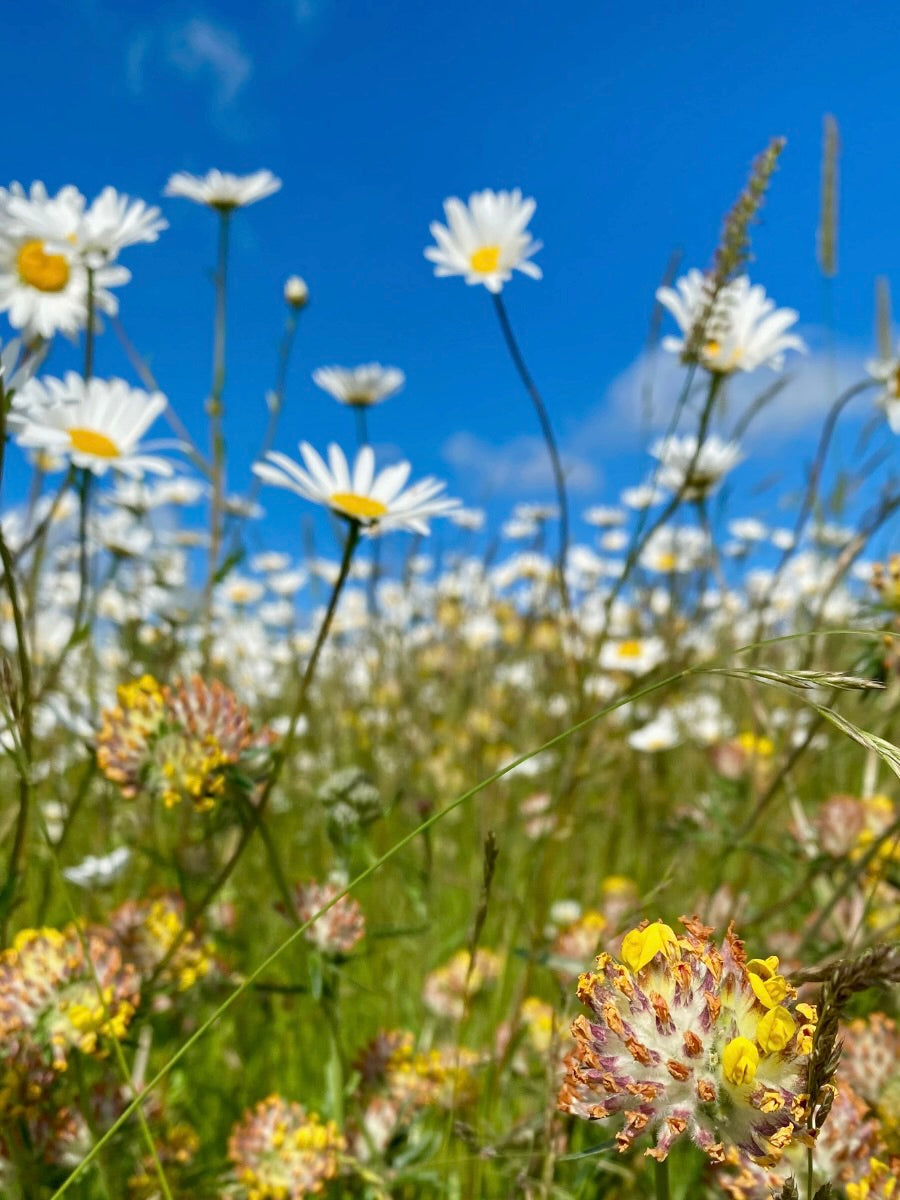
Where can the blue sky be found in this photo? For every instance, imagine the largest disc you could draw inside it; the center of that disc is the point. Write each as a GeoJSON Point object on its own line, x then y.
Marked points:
{"type": "Point", "coordinates": [632, 126]}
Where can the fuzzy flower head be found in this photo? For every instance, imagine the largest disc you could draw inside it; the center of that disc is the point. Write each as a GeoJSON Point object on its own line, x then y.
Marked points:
{"type": "Point", "coordinates": [378, 503]}
{"type": "Point", "coordinates": [360, 387]}
{"type": "Point", "coordinates": [221, 189]}
{"type": "Point", "coordinates": [691, 470]}
{"type": "Point", "coordinates": [281, 1152]}
{"type": "Point", "coordinates": [58, 995]}
{"type": "Point", "coordinates": [687, 1038]}
{"type": "Point", "coordinates": [449, 988]}
{"type": "Point", "coordinates": [336, 931]}
{"type": "Point", "coordinates": [886, 371]}
{"type": "Point", "coordinates": [485, 240]}
{"type": "Point", "coordinates": [146, 930]}
{"type": "Point", "coordinates": [96, 424]}
{"type": "Point", "coordinates": [740, 328]}
{"type": "Point", "coordinates": [177, 743]}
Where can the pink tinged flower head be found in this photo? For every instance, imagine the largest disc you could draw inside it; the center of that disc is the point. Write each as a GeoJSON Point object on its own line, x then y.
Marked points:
{"type": "Point", "coordinates": [281, 1152]}
{"type": "Point", "coordinates": [486, 239]}
{"type": "Point", "coordinates": [336, 931]}
{"type": "Point", "coordinates": [686, 1038]}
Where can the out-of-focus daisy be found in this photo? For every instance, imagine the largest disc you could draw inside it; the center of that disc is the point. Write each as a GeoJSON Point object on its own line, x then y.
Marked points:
{"type": "Point", "coordinates": [486, 240]}
{"type": "Point", "coordinates": [644, 495]}
{"type": "Point", "coordinates": [377, 502]}
{"type": "Point", "coordinates": [675, 550]}
{"type": "Point", "coordinates": [691, 470]}
{"type": "Point", "coordinates": [887, 372]}
{"type": "Point", "coordinates": [96, 234]}
{"type": "Point", "coordinates": [361, 386]}
{"type": "Point", "coordinates": [742, 329]}
{"type": "Point", "coordinates": [43, 280]}
{"type": "Point", "coordinates": [662, 733]}
{"type": "Point", "coordinates": [748, 529]}
{"type": "Point", "coordinates": [634, 655]}
{"type": "Point", "coordinates": [95, 424]}
{"type": "Point", "coordinates": [221, 189]}
{"type": "Point", "coordinates": [603, 516]}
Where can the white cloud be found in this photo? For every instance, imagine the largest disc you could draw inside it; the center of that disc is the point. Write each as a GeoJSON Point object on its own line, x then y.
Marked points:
{"type": "Point", "coordinates": [642, 399]}
{"type": "Point", "coordinates": [202, 50]}
{"type": "Point", "coordinates": [518, 467]}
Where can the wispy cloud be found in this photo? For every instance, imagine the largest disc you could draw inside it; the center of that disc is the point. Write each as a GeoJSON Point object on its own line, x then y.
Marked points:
{"type": "Point", "coordinates": [202, 50]}
{"type": "Point", "coordinates": [642, 399]}
{"type": "Point", "coordinates": [518, 467]}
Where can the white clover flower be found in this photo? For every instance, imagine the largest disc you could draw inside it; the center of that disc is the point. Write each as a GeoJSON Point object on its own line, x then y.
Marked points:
{"type": "Point", "coordinates": [743, 330]}
{"type": "Point", "coordinates": [486, 240]}
{"type": "Point", "coordinates": [693, 472]}
{"type": "Point", "coordinates": [362, 386]}
{"type": "Point", "coordinates": [95, 424]}
{"type": "Point", "coordinates": [378, 503]}
{"type": "Point", "coordinates": [222, 190]}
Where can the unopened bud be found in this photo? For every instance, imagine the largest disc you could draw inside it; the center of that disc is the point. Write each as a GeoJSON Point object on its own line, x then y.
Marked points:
{"type": "Point", "coordinates": [296, 293]}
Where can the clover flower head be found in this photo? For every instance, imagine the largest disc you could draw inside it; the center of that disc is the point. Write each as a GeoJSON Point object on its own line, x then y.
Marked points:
{"type": "Point", "coordinates": [336, 931]}
{"type": "Point", "coordinates": [687, 1038]}
{"type": "Point", "coordinates": [281, 1152]}
{"type": "Point", "coordinates": [146, 930]}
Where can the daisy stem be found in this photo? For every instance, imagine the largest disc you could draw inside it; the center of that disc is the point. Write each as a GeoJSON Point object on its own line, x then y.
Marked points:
{"type": "Point", "coordinates": [215, 411]}
{"type": "Point", "coordinates": [362, 425]}
{"type": "Point", "coordinates": [546, 428]}
{"type": "Point", "coordinates": [277, 399]}
{"type": "Point", "coordinates": [662, 1179]}
{"type": "Point", "coordinates": [25, 725]}
{"type": "Point", "coordinates": [89, 328]}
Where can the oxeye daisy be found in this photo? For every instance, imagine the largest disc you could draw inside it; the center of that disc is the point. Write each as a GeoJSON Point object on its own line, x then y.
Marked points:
{"type": "Point", "coordinates": [361, 386]}
{"type": "Point", "coordinates": [376, 502]}
{"type": "Point", "coordinates": [221, 189]}
{"type": "Point", "coordinates": [742, 329]}
{"type": "Point", "coordinates": [691, 469]}
{"type": "Point", "coordinates": [485, 240]}
{"type": "Point", "coordinates": [95, 424]}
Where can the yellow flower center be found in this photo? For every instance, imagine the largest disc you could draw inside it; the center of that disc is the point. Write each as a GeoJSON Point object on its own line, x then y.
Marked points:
{"type": "Point", "coordinates": [46, 272]}
{"type": "Point", "coordinates": [360, 508]}
{"type": "Point", "coordinates": [641, 946]}
{"type": "Point", "coordinates": [740, 1058]}
{"type": "Point", "coordinates": [485, 260]}
{"type": "Point", "coordinates": [88, 441]}
{"type": "Point", "coordinates": [629, 650]}
{"type": "Point", "coordinates": [666, 562]}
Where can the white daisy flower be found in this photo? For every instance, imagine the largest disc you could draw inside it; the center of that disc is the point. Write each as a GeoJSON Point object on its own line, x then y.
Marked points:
{"type": "Point", "coordinates": [361, 386]}
{"type": "Point", "coordinates": [743, 330]}
{"type": "Point", "coordinates": [221, 189]}
{"type": "Point", "coordinates": [95, 234]}
{"type": "Point", "coordinates": [94, 424]}
{"type": "Point", "coordinates": [637, 656]}
{"type": "Point", "coordinates": [43, 280]}
{"type": "Point", "coordinates": [377, 502]}
{"type": "Point", "coordinates": [887, 372]}
{"type": "Point", "coordinates": [603, 516]}
{"type": "Point", "coordinates": [662, 733]}
{"type": "Point", "coordinates": [486, 240]}
{"type": "Point", "coordinates": [694, 472]}
{"type": "Point", "coordinates": [676, 550]}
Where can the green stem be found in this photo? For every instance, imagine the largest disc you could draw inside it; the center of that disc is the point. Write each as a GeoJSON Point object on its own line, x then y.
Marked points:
{"type": "Point", "coordinates": [362, 425]}
{"type": "Point", "coordinates": [215, 411]}
{"type": "Point", "coordinates": [547, 429]}
{"type": "Point", "coordinates": [662, 1179]}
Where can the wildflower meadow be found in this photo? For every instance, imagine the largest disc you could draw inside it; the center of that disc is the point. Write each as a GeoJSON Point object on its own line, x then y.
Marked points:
{"type": "Point", "coordinates": [401, 849]}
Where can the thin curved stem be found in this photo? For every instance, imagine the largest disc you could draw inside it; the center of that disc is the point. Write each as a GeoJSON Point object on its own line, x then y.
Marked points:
{"type": "Point", "coordinates": [547, 429]}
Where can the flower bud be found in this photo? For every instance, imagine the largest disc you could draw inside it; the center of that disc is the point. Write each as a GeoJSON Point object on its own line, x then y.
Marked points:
{"type": "Point", "coordinates": [296, 293]}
